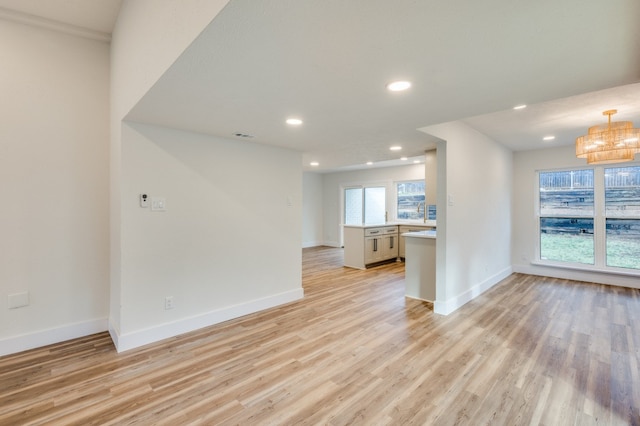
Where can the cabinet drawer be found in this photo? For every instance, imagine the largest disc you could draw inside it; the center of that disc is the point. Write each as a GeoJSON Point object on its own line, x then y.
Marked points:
{"type": "Point", "coordinates": [383, 230]}
{"type": "Point", "coordinates": [406, 228]}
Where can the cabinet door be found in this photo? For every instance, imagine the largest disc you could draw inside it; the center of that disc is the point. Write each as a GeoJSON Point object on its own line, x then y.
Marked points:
{"type": "Point", "coordinates": [390, 246]}
{"type": "Point", "coordinates": [373, 250]}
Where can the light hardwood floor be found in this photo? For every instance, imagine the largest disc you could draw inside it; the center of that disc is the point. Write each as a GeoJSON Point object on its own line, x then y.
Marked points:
{"type": "Point", "coordinates": [531, 350]}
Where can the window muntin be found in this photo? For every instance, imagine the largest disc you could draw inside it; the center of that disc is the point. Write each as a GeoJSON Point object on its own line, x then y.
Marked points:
{"type": "Point", "coordinates": [622, 216]}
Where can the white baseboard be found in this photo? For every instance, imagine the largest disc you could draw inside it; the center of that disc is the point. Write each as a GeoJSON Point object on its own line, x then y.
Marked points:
{"type": "Point", "coordinates": [332, 244]}
{"type": "Point", "coordinates": [139, 338]}
{"type": "Point", "coordinates": [568, 273]}
{"type": "Point", "coordinates": [15, 344]}
{"type": "Point", "coordinates": [308, 244]}
{"type": "Point", "coordinates": [418, 298]}
{"type": "Point", "coordinates": [320, 243]}
{"type": "Point", "coordinates": [448, 306]}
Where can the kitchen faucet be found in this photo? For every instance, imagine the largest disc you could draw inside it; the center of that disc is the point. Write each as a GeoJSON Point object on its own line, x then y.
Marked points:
{"type": "Point", "coordinates": [424, 210]}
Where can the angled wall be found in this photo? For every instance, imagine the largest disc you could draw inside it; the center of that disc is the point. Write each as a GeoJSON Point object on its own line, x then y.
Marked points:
{"type": "Point", "coordinates": [148, 37]}
{"type": "Point", "coordinates": [228, 242]}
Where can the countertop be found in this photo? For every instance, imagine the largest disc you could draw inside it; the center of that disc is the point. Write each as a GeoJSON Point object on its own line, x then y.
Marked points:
{"type": "Point", "coordinates": [376, 225]}
{"type": "Point", "coordinates": [420, 234]}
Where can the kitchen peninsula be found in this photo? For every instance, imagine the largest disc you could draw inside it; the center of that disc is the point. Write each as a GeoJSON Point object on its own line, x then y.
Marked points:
{"type": "Point", "coordinates": [374, 244]}
{"type": "Point", "coordinates": [420, 265]}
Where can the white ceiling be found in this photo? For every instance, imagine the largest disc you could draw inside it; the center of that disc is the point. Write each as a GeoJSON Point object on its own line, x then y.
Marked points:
{"type": "Point", "coordinates": [328, 62]}
{"type": "Point", "coordinates": [564, 118]}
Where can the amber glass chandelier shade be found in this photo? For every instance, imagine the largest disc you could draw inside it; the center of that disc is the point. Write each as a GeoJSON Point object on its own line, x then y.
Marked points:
{"type": "Point", "coordinates": [613, 142]}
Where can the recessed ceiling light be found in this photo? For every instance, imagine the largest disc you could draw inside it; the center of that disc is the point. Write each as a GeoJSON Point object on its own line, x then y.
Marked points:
{"type": "Point", "coordinates": [395, 148]}
{"type": "Point", "coordinates": [369, 163]}
{"type": "Point", "coordinates": [294, 121]}
{"type": "Point", "coordinates": [416, 161]}
{"type": "Point", "coordinates": [519, 107]}
{"type": "Point", "coordinates": [314, 163]}
{"type": "Point", "coordinates": [548, 138]}
{"type": "Point", "coordinates": [404, 158]}
{"type": "Point", "coordinates": [398, 86]}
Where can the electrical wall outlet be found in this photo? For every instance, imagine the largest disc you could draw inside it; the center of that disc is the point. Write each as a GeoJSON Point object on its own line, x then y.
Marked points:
{"type": "Point", "coordinates": [169, 303]}
{"type": "Point", "coordinates": [18, 300]}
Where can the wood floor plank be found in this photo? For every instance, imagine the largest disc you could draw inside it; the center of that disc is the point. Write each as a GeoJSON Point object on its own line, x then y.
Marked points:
{"type": "Point", "coordinates": [531, 350]}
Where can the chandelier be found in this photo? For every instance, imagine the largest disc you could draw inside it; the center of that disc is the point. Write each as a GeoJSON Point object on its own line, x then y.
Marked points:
{"type": "Point", "coordinates": [613, 142]}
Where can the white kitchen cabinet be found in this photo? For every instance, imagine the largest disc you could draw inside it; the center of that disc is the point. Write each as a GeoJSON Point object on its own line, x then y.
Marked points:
{"type": "Point", "coordinates": [364, 246]}
{"type": "Point", "coordinates": [373, 248]}
{"type": "Point", "coordinates": [390, 245]}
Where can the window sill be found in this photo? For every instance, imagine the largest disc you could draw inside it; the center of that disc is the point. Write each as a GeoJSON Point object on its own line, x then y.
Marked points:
{"type": "Point", "coordinates": [586, 268]}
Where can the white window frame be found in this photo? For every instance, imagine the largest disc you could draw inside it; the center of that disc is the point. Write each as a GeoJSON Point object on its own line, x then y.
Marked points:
{"type": "Point", "coordinates": [395, 200]}
{"type": "Point", "coordinates": [599, 223]}
{"type": "Point", "coordinates": [372, 184]}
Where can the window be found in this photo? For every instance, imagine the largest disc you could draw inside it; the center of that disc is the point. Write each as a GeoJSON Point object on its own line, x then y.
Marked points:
{"type": "Point", "coordinates": [353, 203]}
{"type": "Point", "coordinates": [411, 201]}
{"type": "Point", "coordinates": [566, 216]}
{"type": "Point", "coordinates": [364, 205]}
{"type": "Point", "coordinates": [590, 216]}
{"type": "Point", "coordinates": [622, 216]}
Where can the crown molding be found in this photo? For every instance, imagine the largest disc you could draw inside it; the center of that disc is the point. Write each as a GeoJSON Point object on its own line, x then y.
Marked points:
{"type": "Point", "coordinates": [50, 24]}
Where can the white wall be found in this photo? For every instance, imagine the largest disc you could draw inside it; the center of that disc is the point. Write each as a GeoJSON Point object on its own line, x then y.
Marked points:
{"type": "Point", "coordinates": [228, 243]}
{"type": "Point", "coordinates": [474, 214]}
{"type": "Point", "coordinates": [332, 193]}
{"type": "Point", "coordinates": [54, 144]}
{"type": "Point", "coordinates": [524, 225]}
{"type": "Point", "coordinates": [312, 222]}
{"type": "Point", "coordinates": [148, 37]}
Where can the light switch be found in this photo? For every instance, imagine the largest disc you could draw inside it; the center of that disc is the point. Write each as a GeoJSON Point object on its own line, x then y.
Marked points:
{"type": "Point", "coordinates": [450, 200]}
{"type": "Point", "coordinates": [158, 204]}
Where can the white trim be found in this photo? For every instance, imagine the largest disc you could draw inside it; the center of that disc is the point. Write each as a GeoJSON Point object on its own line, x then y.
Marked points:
{"type": "Point", "coordinates": [568, 273]}
{"type": "Point", "coordinates": [321, 244]}
{"type": "Point", "coordinates": [143, 337]}
{"type": "Point", "coordinates": [417, 298]}
{"type": "Point", "coordinates": [448, 306]}
{"type": "Point", "coordinates": [11, 345]}
{"type": "Point", "coordinates": [588, 268]}
{"type": "Point", "coordinates": [50, 24]}
{"type": "Point", "coordinates": [332, 243]}
{"type": "Point", "coordinates": [114, 332]}
{"type": "Point", "coordinates": [312, 244]}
